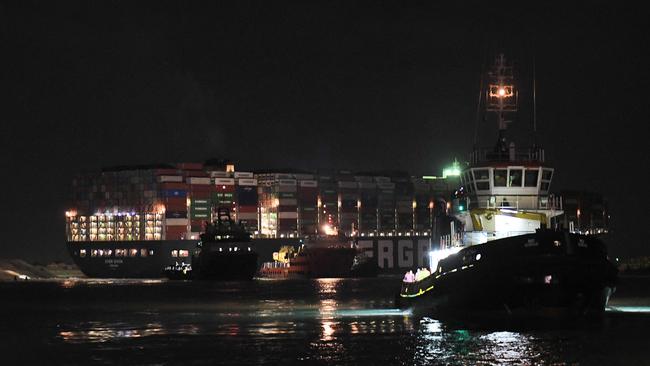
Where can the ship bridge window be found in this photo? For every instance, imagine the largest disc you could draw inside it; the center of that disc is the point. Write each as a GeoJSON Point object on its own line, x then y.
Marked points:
{"type": "Point", "coordinates": [174, 253]}
{"type": "Point", "coordinates": [82, 252]}
{"type": "Point", "coordinates": [544, 186]}
{"type": "Point", "coordinates": [482, 178]}
{"type": "Point", "coordinates": [184, 253]}
{"type": "Point", "coordinates": [500, 177]}
{"type": "Point", "coordinates": [531, 177]}
{"type": "Point", "coordinates": [133, 253]}
{"type": "Point", "coordinates": [481, 174]}
{"type": "Point", "coordinates": [547, 174]}
{"type": "Point", "coordinates": [515, 178]}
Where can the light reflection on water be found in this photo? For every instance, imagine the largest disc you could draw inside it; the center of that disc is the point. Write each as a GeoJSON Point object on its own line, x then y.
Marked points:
{"type": "Point", "coordinates": [329, 321]}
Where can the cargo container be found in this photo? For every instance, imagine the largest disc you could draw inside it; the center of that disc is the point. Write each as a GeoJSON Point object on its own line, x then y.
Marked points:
{"type": "Point", "coordinates": [162, 207]}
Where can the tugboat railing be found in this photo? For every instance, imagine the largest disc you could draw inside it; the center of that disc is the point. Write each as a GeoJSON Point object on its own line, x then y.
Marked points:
{"type": "Point", "coordinates": [520, 202]}
{"type": "Point", "coordinates": [528, 154]}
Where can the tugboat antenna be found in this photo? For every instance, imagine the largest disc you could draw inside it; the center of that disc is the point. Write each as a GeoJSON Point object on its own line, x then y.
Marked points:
{"type": "Point", "coordinates": [534, 103]}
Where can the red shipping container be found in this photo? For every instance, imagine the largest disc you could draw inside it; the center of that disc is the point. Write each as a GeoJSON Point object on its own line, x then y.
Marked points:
{"type": "Point", "coordinates": [173, 185]}
{"type": "Point", "coordinates": [199, 195]}
{"type": "Point", "coordinates": [224, 188]}
{"type": "Point", "coordinates": [196, 173]}
{"type": "Point", "coordinates": [190, 166]}
{"type": "Point", "coordinates": [166, 172]}
{"type": "Point", "coordinates": [176, 208]}
{"type": "Point", "coordinates": [201, 188]}
{"type": "Point", "coordinates": [175, 201]}
{"type": "Point", "coordinates": [247, 208]}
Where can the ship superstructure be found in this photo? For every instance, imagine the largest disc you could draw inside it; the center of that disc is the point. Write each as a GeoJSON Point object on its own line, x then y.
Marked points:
{"type": "Point", "coordinates": [505, 189]}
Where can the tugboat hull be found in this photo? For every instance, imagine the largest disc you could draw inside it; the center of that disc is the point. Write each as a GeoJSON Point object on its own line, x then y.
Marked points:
{"type": "Point", "coordinates": [226, 266]}
{"type": "Point", "coordinates": [547, 278]}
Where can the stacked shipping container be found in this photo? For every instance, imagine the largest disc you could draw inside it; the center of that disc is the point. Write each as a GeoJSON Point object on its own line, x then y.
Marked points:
{"type": "Point", "coordinates": [247, 201]}
{"type": "Point", "coordinates": [175, 203]}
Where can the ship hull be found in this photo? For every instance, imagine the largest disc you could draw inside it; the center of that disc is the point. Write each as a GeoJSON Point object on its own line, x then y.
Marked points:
{"type": "Point", "coordinates": [157, 255]}
{"type": "Point", "coordinates": [549, 282]}
{"type": "Point", "coordinates": [390, 256]}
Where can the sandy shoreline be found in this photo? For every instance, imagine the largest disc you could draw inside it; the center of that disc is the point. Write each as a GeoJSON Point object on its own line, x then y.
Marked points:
{"type": "Point", "coordinates": [12, 269]}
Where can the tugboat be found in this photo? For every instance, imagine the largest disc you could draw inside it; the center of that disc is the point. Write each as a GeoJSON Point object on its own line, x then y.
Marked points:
{"type": "Point", "coordinates": [224, 253]}
{"type": "Point", "coordinates": [329, 256]}
{"type": "Point", "coordinates": [548, 273]}
{"type": "Point", "coordinates": [504, 258]}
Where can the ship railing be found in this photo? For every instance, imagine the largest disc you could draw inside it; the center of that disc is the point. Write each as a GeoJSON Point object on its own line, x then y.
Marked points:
{"type": "Point", "coordinates": [270, 265]}
{"type": "Point", "coordinates": [521, 202]}
{"type": "Point", "coordinates": [481, 237]}
{"type": "Point", "coordinates": [526, 154]}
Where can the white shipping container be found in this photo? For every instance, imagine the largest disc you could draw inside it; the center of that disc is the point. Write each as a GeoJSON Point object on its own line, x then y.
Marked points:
{"type": "Point", "coordinates": [198, 180]}
{"type": "Point", "coordinates": [304, 176]}
{"type": "Point", "coordinates": [243, 175]}
{"type": "Point", "coordinates": [247, 182]}
{"type": "Point", "coordinates": [288, 215]}
{"type": "Point", "coordinates": [287, 201]}
{"type": "Point", "coordinates": [176, 222]}
{"type": "Point", "coordinates": [308, 183]}
{"type": "Point", "coordinates": [218, 174]}
{"type": "Point", "coordinates": [170, 178]}
{"type": "Point", "coordinates": [287, 182]}
{"type": "Point", "coordinates": [283, 176]}
{"type": "Point", "coordinates": [367, 185]}
{"type": "Point", "coordinates": [224, 181]}
{"type": "Point", "coordinates": [347, 184]}
{"type": "Point", "coordinates": [382, 179]}
{"type": "Point", "coordinates": [386, 185]}
{"type": "Point", "coordinates": [287, 189]}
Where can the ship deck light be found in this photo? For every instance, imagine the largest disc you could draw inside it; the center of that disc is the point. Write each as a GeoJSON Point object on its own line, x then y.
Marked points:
{"type": "Point", "coordinates": [435, 256]}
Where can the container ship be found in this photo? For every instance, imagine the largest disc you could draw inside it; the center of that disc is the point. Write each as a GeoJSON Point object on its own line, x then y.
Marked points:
{"type": "Point", "coordinates": [133, 221]}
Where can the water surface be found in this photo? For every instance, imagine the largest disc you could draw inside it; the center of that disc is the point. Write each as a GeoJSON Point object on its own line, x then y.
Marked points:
{"type": "Point", "coordinates": [310, 322]}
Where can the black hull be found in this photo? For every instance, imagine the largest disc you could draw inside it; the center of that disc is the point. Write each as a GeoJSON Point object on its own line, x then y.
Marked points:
{"type": "Point", "coordinates": [138, 266]}
{"type": "Point", "coordinates": [225, 266]}
{"type": "Point", "coordinates": [538, 282]}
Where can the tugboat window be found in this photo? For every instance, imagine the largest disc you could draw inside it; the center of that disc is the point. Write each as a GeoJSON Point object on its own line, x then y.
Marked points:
{"type": "Point", "coordinates": [547, 174]}
{"type": "Point", "coordinates": [500, 177]}
{"type": "Point", "coordinates": [481, 174]}
{"type": "Point", "coordinates": [544, 186]}
{"type": "Point", "coordinates": [515, 178]}
{"type": "Point", "coordinates": [531, 177]}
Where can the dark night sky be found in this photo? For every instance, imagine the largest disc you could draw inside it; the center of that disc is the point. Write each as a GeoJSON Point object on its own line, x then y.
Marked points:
{"type": "Point", "coordinates": [355, 85]}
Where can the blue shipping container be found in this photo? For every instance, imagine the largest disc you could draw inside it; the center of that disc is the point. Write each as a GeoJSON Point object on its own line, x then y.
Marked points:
{"type": "Point", "coordinates": [174, 193]}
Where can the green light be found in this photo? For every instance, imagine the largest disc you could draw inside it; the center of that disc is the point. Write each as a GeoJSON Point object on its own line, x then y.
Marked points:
{"type": "Point", "coordinates": [461, 208]}
{"type": "Point", "coordinates": [452, 171]}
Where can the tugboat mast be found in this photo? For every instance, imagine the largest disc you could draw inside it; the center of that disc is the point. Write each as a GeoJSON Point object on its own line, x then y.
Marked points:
{"type": "Point", "coordinates": [501, 99]}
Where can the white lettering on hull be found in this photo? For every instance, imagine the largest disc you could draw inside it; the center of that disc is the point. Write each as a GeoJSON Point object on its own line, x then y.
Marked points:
{"type": "Point", "coordinates": [405, 253]}
{"type": "Point", "coordinates": [397, 253]}
{"type": "Point", "coordinates": [385, 253]}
